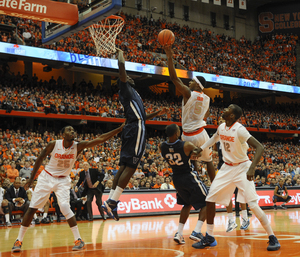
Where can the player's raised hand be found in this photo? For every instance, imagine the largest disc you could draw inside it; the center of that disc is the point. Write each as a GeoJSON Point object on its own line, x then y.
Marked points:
{"type": "Point", "coordinates": [120, 55]}
{"type": "Point", "coordinates": [163, 111]}
{"type": "Point", "coordinates": [168, 50]}
{"type": "Point", "coordinates": [118, 50]}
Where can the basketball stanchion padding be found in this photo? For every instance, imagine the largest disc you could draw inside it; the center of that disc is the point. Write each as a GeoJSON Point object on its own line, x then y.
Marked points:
{"type": "Point", "coordinates": [104, 34]}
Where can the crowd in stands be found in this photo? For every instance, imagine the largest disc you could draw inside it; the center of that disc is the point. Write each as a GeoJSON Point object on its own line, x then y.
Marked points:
{"type": "Point", "coordinates": [18, 92]}
{"type": "Point", "coordinates": [7, 37]}
{"type": "Point", "coordinates": [28, 30]}
{"type": "Point", "coordinates": [272, 58]}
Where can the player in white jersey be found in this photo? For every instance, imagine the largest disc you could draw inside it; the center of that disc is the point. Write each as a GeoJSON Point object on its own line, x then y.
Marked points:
{"type": "Point", "coordinates": [195, 107]}
{"type": "Point", "coordinates": [56, 177]}
{"type": "Point", "coordinates": [237, 171]}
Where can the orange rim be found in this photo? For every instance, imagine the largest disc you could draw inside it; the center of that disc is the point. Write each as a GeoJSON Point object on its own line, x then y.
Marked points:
{"type": "Point", "coordinates": [97, 25]}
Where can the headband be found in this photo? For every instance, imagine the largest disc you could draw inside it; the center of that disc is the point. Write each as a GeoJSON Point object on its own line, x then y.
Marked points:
{"type": "Point", "coordinates": [198, 82]}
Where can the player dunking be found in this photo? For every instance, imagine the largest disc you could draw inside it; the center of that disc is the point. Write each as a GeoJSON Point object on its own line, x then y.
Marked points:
{"type": "Point", "coordinates": [56, 177]}
{"type": "Point", "coordinates": [195, 107]}
{"type": "Point", "coordinates": [133, 137]}
{"type": "Point", "coordinates": [191, 192]}
{"type": "Point", "coordinates": [237, 171]}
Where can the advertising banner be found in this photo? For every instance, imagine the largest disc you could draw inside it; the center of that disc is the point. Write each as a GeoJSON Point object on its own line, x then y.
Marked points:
{"type": "Point", "coordinates": [164, 202]}
{"type": "Point", "coordinates": [72, 58]}
{"type": "Point", "coordinates": [283, 19]}
{"type": "Point", "coordinates": [42, 10]}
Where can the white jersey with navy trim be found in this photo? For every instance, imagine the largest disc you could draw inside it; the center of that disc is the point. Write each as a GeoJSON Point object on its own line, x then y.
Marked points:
{"type": "Point", "coordinates": [194, 110]}
{"type": "Point", "coordinates": [62, 159]}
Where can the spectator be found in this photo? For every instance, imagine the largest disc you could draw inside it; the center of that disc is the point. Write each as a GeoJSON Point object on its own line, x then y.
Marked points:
{"type": "Point", "coordinates": [12, 173]}
{"type": "Point", "coordinates": [25, 172]}
{"type": "Point", "coordinates": [297, 183]}
{"type": "Point", "coordinates": [91, 179]}
{"type": "Point", "coordinates": [273, 182]}
{"type": "Point", "coordinates": [76, 202]}
{"type": "Point", "coordinates": [262, 182]}
{"type": "Point", "coordinates": [17, 197]}
{"type": "Point", "coordinates": [135, 185]}
{"type": "Point", "coordinates": [108, 184]}
{"type": "Point", "coordinates": [4, 209]}
{"type": "Point", "coordinates": [157, 185]}
{"type": "Point", "coordinates": [139, 173]}
{"type": "Point", "coordinates": [167, 184]}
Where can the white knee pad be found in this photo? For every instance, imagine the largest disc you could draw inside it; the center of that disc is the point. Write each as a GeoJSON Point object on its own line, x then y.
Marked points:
{"type": "Point", "coordinates": [66, 211]}
{"type": "Point", "coordinates": [256, 210]}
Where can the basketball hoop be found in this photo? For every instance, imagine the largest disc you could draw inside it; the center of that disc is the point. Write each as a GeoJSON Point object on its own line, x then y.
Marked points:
{"type": "Point", "coordinates": [104, 34]}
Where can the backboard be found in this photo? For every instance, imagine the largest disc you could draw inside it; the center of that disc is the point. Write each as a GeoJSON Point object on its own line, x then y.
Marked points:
{"type": "Point", "coordinates": [89, 12]}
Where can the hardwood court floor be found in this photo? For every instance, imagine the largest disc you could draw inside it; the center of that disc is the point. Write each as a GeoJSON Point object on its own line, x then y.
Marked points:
{"type": "Point", "coordinates": [153, 236]}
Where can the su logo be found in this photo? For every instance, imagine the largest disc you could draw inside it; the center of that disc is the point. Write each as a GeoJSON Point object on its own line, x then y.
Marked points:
{"type": "Point", "coordinates": [265, 20]}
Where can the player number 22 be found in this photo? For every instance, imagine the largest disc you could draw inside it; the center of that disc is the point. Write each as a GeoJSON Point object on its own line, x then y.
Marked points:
{"type": "Point", "coordinates": [63, 163]}
{"type": "Point", "coordinates": [174, 159]}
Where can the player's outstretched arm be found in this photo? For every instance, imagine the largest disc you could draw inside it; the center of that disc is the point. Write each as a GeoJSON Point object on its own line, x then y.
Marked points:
{"type": "Point", "coordinates": [38, 162]}
{"type": "Point", "coordinates": [210, 142]}
{"type": "Point", "coordinates": [149, 116]}
{"type": "Point", "coordinates": [121, 64]}
{"type": "Point", "coordinates": [259, 149]}
{"type": "Point", "coordinates": [101, 139]}
{"type": "Point", "coordinates": [183, 89]}
{"type": "Point", "coordinates": [191, 150]}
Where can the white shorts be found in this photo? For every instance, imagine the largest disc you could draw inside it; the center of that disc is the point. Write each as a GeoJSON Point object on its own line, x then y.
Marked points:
{"type": "Point", "coordinates": [45, 185]}
{"type": "Point", "coordinates": [225, 182]}
{"type": "Point", "coordinates": [199, 140]}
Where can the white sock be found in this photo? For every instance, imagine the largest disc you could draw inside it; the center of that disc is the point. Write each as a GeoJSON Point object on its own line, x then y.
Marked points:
{"type": "Point", "coordinates": [111, 193]}
{"type": "Point", "coordinates": [7, 217]}
{"type": "Point", "coordinates": [180, 228]}
{"type": "Point", "coordinates": [75, 232]}
{"type": "Point", "coordinates": [210, 229]}
{"type": "Point", "coordinates": [117, 193]}
{"type": "Point", "coordinates": [22, 232]}
{"type": "Point", "coordinates": [198, 226]}
{"type": "Point", "coordinates": [35, 216]}
{"type": "Point", "coordinates": [45, 215]}
{"type": "Point", "coordinates": [230, 217]}
{"type": "Point", "coordinates": [244, 214]}
{"type": "Point", "coordinates": [283, 204]}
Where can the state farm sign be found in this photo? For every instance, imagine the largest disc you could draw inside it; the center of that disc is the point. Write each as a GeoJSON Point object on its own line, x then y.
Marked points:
{"type": "Point", "coordinates": [42, 10]}
{"type": "Point", "coordinates": [164, 202]}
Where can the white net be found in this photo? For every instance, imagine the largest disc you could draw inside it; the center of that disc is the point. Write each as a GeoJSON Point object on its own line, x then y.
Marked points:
{"type": "Point", "coordinates": [104, 34]}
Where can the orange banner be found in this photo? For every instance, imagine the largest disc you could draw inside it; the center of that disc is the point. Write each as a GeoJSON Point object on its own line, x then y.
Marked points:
{"type": "Point", "coordinates": [42, 10]}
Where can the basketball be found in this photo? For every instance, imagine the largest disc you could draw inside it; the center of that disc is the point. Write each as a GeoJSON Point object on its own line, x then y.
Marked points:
{"type": "Point", "coordinates": [166, 37]}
